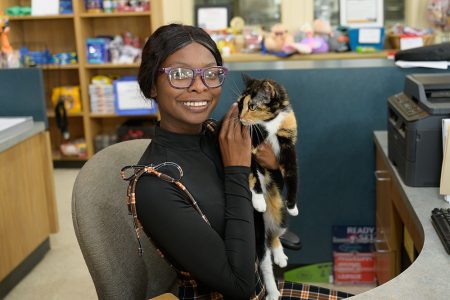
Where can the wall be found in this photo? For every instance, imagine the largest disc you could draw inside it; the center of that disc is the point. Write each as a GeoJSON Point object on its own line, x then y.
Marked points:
{"type": "Point", "coordinates": [338, 104]}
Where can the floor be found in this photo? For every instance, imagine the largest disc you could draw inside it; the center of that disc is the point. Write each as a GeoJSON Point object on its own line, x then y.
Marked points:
{"type": "Point", "coordinates": [62, 274]}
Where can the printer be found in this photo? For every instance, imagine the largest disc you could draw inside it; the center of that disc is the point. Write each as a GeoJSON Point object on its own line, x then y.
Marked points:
{"type": "Point", "coordinates": [415, 128]}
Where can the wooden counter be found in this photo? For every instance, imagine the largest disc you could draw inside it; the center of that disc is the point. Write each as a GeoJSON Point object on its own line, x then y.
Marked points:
{"type": "Point", "coordinates": [428, 276]}
{"type": "Point", "coordinates": [28, 211]}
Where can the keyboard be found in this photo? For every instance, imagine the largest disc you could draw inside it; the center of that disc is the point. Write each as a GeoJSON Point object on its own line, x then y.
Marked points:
{"type": "Point", "coordinates": [440, 217]}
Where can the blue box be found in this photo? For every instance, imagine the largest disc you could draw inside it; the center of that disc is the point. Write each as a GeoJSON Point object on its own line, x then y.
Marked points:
{"type": "Point", "coordinates": [354, 39]}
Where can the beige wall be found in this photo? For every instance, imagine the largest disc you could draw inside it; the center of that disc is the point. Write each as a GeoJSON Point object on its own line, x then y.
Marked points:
{"type": "Point", "coordinates": [294, 13]}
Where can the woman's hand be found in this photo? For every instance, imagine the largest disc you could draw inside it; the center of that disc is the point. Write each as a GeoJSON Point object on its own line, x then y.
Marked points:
{"type": "Point", "coordinates": [266, 157]}
{"type": "Point", "coordinates": [235, 141]}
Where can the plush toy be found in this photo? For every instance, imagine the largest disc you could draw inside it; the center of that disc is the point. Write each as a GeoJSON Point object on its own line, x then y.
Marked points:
{"type": "Point", "coordinates": [317, 44]}
{"type": "Point", "coordinates": [4, 31]}
{"type": "Point", "coordinates": [279, 41]}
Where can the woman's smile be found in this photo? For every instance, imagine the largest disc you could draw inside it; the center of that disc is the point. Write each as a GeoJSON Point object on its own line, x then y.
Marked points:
{"type": "Point", "coordinates": [197, 105]}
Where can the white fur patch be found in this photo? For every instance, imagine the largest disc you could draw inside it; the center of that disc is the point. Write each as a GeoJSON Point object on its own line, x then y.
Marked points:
{"type": "Point", "coordinates": [279, 257]}
{"type": "Point", "coordinates": [293, 211]}
{"type": "Point", "coordinates": [268, 277]}
{"type": "Point", "coordinates": [272, 127]}
{"type": "Point", "coordinates": [258, 201]}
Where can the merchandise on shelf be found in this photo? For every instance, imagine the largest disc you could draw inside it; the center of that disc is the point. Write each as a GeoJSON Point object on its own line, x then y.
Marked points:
{"type": "Point", "coordinates": [65, 58]}
{"type": "Point", "coordinates": [16, 11]}
{"type": "Point", "coordinates": [109, 6]}
{"type": "Point", "coordinates": [93, 6]}
{"type": "Point", "coordinates": [101, 95]}
{"type": "Point", "coordinates": [70, 95]}
{"type": "Point", "coordinates": [125, 49]}
{"type": "Point", "coordinates": [129, 99]}
{"type": "Point", "coordinates": [120, 49]}
{"type": "Point", "coordinates": [32, 58]}
{"type": "Point", "coordinates": [136, 129]}
{"type": "Point", "coordinates": [65, 7]}
{"type": "Point", "coordinates": [102, 141]}
{"type": "Point", "coordinates": [97, 50]}
{"type": "Point", "coordinates": [131, 6]}
{"type": "Point", "coordinates": [75, 148]}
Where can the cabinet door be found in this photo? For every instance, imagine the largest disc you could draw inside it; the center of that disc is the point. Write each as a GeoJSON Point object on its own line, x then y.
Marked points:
{"type": "Point", "coordinates": [386, 260]}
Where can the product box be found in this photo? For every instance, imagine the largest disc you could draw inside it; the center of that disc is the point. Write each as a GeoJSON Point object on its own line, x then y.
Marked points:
{"type": "Point", "coordinates": [70, 95]}
{"type": "Point", "coordinates": [354, 267]}
{"type": "Point", "coordinates": [353, 255]}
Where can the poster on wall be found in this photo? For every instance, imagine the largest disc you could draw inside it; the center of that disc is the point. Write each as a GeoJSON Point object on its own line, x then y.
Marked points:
{"type": "Point", "coordinates": [212, 17]}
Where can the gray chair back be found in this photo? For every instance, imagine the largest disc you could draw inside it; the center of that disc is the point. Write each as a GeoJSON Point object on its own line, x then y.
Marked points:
{"type": "Point", "coordinates": [105, 231]}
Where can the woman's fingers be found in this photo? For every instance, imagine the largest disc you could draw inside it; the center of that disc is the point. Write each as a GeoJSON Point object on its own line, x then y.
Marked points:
{"type": "Point", "coordinates": [226, 121]}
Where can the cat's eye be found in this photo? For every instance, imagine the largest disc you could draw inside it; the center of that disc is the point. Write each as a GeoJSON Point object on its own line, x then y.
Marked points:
{"type": "Point", "coordinates": [252, 107]}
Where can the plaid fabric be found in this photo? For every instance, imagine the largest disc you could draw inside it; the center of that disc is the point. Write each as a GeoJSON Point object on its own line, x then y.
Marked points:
{"type": "Point", "coordinates": [294, 290]}
{"type": "Point", "coordinates": [189, 290]}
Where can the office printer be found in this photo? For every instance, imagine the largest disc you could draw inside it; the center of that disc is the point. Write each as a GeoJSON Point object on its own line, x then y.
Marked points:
{"type": "Point", "coordinates": [415, 128]}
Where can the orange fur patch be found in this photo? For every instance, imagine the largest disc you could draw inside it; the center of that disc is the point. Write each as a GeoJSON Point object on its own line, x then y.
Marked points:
{"type": "Point", "coordinates": [274, 204]}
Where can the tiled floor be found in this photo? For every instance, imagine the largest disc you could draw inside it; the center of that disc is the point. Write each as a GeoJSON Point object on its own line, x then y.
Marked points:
{"type": "Point", "coordinates": [62, 274]}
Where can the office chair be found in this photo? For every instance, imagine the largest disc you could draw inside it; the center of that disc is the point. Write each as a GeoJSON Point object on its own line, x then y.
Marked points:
{"type": "Point", "coordinates": [104, 230]}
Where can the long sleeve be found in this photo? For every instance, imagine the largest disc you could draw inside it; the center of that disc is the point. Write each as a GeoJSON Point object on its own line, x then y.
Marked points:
{"type": "Point", "coordinates": [225, 263]}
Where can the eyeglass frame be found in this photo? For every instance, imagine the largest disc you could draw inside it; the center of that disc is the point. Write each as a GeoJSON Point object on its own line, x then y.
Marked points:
{"type": "Point", "coordinates": [197, 71]}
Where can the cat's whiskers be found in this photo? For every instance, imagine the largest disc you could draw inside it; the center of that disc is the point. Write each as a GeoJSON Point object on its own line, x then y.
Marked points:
{"type": "Point", "coordinates": [235, 89]}
{"type": "Point", "coordinates": [259, 134]}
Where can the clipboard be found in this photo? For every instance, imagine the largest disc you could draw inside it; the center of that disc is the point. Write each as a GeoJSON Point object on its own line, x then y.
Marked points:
{"type": "Point", "coordinates": [128, 98]}
{"type": "Point", "coordinates": [444, 188]}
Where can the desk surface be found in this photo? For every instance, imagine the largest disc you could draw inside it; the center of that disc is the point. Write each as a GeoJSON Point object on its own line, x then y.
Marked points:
{"type": "Point", "coordinates": [10, 142]}
{"type": "Point", "coordinates": [429, 276]}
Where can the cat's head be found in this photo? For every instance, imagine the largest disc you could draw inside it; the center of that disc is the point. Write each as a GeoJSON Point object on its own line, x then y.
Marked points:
{"type": "Point", "coordinates": [261, 101]}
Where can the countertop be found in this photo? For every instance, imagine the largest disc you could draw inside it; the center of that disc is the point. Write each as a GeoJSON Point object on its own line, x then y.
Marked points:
{"type": "Point", "coordinates": [429, 275]}
{"type": "Point", "coordinates": [12, 141]}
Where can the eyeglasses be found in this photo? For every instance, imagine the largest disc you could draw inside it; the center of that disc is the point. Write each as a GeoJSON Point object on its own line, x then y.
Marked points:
{"type": "Point", "coordinates": [181, 78]}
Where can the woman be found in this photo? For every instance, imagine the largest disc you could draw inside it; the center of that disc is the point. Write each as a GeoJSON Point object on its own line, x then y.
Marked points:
{"type": "Point", "coordinates": [182, 69]}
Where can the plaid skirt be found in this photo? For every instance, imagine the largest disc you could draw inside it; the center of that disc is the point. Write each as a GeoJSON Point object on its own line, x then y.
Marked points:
{"type": "Point", "coordinates": [190, 290]}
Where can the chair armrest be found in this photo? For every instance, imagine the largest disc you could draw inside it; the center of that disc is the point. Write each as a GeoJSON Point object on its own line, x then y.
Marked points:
{"type": "Point", "coordinates": [166, 296]}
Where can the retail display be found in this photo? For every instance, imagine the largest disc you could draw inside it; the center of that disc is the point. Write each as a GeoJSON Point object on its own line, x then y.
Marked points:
{"type": "Point", "coordinates": [57, 43]}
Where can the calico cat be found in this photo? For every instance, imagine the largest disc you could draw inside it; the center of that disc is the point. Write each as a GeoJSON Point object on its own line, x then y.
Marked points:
{"type": "Point", "coordinates": [264, 106]}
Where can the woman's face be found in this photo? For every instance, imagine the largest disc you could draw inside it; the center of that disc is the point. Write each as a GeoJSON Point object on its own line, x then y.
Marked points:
{"type": "Point", "coordinates": [184, 110]}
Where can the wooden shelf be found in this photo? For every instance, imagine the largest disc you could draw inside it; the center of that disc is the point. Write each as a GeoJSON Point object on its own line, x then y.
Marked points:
{"type": "Point", "coordinates": [116, 14]}
{"type": "Point", "coordinates": [59, 157]}
{"type": "Point", "coordinates": [112, 66]}
{"type": "Point", "coordinates": [106, 116]}
{"type": "Point", "coordinates": [51, 114]}
{"type": "Point", "coordinates": [60, 67]}
{"type": "Point", "coordinates": [254, 57]}
{"type": "Point", "coordinates": [50, 17]}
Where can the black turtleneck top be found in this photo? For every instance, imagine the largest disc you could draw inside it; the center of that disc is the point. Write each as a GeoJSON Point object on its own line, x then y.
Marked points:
{"type": "Point", "coordinates": [221, 256]}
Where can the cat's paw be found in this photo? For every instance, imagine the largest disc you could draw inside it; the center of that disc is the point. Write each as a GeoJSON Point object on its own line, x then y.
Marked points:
{"type": "Point", "coordinates": [279, 258]}
{"type": "Point", "coordinates": [273, 295]}
{"type": "Point", "coordinates": [259, 203]}
{"type": "Point", "coordinates": [293, 211]}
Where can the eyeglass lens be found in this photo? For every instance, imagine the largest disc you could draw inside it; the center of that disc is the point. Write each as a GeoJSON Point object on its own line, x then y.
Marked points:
{"type": "Point", "coordinates": [184, 77]}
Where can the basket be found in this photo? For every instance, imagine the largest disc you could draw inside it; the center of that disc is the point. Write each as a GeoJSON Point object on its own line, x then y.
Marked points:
{"type": "Point", "coordinates": [394, 40]}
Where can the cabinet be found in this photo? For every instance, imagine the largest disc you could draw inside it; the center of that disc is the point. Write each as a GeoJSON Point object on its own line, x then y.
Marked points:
{"type": "Point", "coordinates": [68, 32]}
{"type": "Point", "coordinates": [387, 245]}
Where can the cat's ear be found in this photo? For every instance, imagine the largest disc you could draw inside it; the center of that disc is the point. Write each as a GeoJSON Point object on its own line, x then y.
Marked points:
{"type": "Point", "coordinates": [246, 78]}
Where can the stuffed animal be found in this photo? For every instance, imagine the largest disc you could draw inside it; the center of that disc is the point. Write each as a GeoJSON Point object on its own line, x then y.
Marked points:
{"type": "Point", "coordinates": [317, 43]}
{"type": "Point", "coordinates": [280, 41]}
{"type": "Point", "coordinates": [4, 31]}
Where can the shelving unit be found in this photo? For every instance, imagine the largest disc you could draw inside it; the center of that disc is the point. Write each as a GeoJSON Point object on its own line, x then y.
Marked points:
{"type": "Point", "coordinates": [68, 32]}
